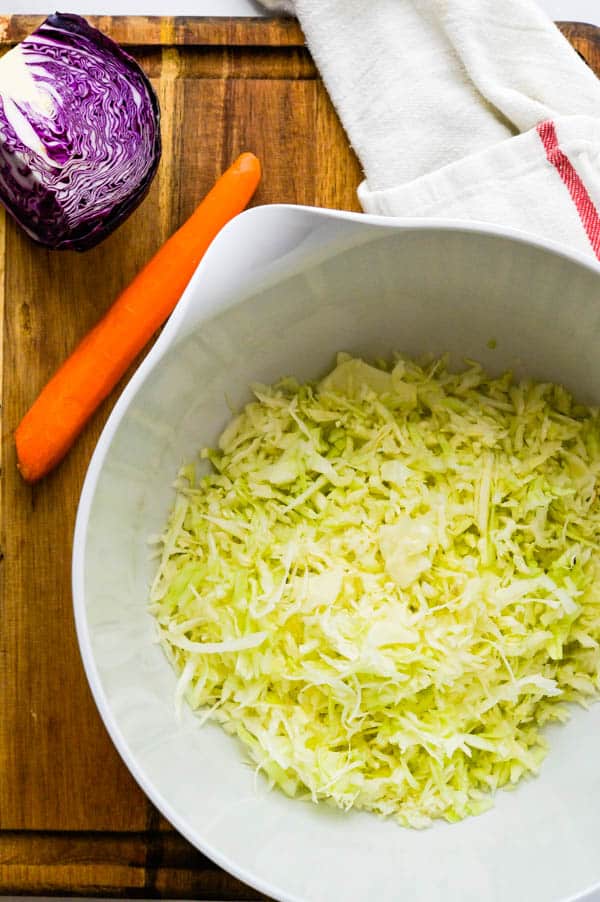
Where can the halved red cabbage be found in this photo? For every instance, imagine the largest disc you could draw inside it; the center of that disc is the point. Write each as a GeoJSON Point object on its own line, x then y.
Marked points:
{"type": "Point", "coordinates": [79, 133]}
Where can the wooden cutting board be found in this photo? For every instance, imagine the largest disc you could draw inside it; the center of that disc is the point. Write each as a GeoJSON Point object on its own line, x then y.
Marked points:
{"type": "Point", "coordinates": [72, 820]}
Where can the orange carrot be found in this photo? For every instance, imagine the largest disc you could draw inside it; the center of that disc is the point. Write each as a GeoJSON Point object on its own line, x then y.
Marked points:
{"type": "Point", "coordinates": [60, 412]}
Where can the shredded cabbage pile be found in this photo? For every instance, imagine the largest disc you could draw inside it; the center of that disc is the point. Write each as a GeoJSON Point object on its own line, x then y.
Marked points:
{"type": "Point", "coordinates": [390, 583]}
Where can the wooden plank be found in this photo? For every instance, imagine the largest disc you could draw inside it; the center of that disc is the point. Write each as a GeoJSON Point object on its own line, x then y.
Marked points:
{"type": "Point", "coordinates": [132, 865]}
{"type": "Point", "coordinates": [586, 40]}
{"type": "Point", "coordinates": [48, 765]}
{"type": "Point", "coordinates": [217, 63]}
{"type": "Point", "coordinates": [168, 30]}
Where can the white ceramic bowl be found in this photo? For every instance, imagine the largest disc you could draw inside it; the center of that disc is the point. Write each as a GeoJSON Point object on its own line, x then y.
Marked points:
{"type": "Point", "coordinates": [280, 291]}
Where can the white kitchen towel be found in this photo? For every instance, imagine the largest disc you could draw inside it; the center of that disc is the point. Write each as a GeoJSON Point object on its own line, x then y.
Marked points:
{"type": "Point", "coordinates": [467, 109]}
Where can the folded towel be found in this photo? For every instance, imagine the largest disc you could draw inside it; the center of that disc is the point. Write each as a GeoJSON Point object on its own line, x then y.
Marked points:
{"type": "Point", "coordinates": [466, 109]}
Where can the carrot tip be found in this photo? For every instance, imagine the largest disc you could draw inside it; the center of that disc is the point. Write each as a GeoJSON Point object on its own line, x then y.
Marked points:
{"type": "Point", "coordinates": [247, 162]}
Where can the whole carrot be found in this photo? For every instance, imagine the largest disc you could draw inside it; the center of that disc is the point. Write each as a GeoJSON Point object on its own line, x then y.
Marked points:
{"type": "Point", "coordinates": [64, 406]}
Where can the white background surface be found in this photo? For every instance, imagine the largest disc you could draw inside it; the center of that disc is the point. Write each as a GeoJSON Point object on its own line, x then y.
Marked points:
{"type": "Point", "coordinates": [567, 10]}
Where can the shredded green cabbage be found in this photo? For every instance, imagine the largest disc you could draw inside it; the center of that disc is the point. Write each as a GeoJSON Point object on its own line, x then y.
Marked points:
{"type": "Point", "coordinates": [389, 583]}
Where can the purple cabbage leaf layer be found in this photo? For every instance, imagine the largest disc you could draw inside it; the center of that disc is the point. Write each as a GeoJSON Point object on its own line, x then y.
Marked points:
{"type": "Point", "coordinates": [79, 134]}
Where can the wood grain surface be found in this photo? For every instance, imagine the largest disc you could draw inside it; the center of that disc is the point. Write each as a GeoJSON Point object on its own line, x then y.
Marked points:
{"type": "Point", "coordinates": [72, 820]}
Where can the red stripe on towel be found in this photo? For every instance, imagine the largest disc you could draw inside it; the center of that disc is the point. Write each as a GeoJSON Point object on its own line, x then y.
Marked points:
{"type": "Point", "coordinates": [588, 213]}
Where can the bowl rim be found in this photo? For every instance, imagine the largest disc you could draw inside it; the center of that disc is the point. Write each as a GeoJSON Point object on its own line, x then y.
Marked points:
{"type": "Point", "coordinates": [100, 452]}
